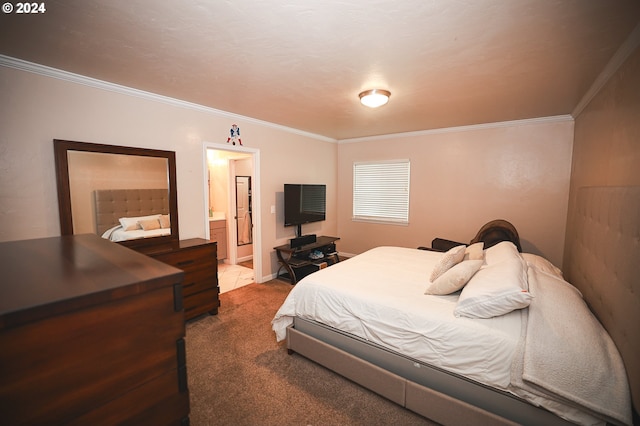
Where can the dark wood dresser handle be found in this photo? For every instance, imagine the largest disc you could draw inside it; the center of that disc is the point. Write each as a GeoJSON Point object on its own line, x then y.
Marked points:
{"type": "Point", "coordinates": [182, 364]}
{"type": "Point", "coordinates": [177, 297]}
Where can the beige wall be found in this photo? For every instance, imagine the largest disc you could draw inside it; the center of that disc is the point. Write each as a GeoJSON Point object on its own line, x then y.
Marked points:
{"type": "Point", "coordinates": [36, 109]}
{"type": "Point", "coordinates": [607, 135]}
{"type": "Point", "coordinates": [463, 178]}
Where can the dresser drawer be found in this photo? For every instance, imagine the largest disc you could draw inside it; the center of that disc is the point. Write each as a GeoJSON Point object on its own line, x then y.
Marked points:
{"type": "Point", "coordinates": [89, 359]}
{"type": "Point", "coordinates": [200, 303]}
{"type": "Point", "coordinates": [191, 259]}
{"type": "Point", "coordinates": [197, 258]}
{"type": "Point", "coordinates": [202, 283]}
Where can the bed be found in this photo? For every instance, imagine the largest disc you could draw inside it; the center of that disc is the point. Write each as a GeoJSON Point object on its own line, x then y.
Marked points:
{"type": "Point", "coordinates": [491, 372]}
{"type": "Point", "coordinates": [131, 214]}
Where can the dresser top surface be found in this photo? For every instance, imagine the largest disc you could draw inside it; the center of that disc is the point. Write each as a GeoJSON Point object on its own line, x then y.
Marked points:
{"type": "Point", "coordinates": [191, 243]}
{"type": "Point", "coordinates": [54, 275]}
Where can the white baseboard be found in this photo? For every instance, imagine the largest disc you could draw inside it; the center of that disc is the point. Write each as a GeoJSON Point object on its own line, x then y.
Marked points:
{"type": "Point", "coordinates": [245, 258]}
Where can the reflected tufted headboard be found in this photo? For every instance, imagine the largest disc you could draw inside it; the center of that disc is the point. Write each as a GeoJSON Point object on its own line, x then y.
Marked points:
{"type": "Point", "coordinates": [603, 261]}
{"type": "Point", "coordinates": [112, 204]}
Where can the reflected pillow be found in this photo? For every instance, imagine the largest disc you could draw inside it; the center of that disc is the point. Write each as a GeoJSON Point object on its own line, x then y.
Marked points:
{"type": "Point", "coordinates": [165, 222]}
{"type": "Point", "coordinates": [131, 223]}
{"type": "Point", "coordinates": [455, 278]}
{"type": "Point", "coordinates": [450, 258]}
{"type": "Point", "coordinates": [149, 224]}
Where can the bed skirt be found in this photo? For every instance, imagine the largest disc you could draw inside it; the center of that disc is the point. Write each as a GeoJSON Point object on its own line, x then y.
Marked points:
{"type": "Point", "coordinates": [431, 392]}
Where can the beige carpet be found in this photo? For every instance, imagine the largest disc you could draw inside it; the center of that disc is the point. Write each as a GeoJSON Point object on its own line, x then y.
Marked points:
{"type": "Point", "coordinates": [239, 375]}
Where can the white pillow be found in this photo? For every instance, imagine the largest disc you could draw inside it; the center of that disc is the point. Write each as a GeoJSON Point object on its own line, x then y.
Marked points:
{"type": "Point", "coordinates": [450, 258]}
{"type": "Point", "coordinates": [495, 290]}
{"type": "Point", "coordinates": [541, 264]}
{"type": "Point", "coordinates": [501, 251]}
{"type": "Point", "coordinates": [474, 251]}
{"type": "Point", "coordinates": [131, 223]}
{"type": "Point", "coordinates": [455, 278]}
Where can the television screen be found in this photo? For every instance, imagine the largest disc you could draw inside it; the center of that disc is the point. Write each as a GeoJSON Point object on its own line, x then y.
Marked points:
{"type": "Point", "coordinates": [304, 203]}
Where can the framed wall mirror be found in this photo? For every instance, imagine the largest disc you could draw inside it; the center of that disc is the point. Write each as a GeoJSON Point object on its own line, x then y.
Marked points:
{"type": "Point", "coordinates": [244, 227]}
{"type": "Point", "coordinates": [124, 194]}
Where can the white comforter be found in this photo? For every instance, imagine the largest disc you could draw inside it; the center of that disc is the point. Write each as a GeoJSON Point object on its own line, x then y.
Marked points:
{"type": "Point", "coordinates": [379, 296]}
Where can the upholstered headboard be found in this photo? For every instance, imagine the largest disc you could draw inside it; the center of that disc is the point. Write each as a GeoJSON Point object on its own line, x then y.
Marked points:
{"type": "Point", "coordinates": [112, 204]}
{"type": "Point", "coordinates": [602, 259]}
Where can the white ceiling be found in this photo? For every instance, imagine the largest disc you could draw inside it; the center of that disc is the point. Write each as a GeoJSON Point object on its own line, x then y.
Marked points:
{"type": "Point", "coordinates": [302, 63]}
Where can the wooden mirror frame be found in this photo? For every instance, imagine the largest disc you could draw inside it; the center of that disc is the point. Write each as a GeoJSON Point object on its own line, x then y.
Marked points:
{"type": "Point", "coordinates": [61, 149]}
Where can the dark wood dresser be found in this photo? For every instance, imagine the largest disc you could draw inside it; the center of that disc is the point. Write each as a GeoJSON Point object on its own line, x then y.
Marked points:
{"type": "Point", "coordinates": [90, 333]}
{"type": "Point", "coordinates": [197, 257]}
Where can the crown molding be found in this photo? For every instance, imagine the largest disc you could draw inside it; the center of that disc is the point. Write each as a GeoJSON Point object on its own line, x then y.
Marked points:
{"type": "Point", "coordinates": [624, 51]}
{"type": "Point", "coordinates": [19, 64]}
{"type": "Point", "coordinates": [472, 127]}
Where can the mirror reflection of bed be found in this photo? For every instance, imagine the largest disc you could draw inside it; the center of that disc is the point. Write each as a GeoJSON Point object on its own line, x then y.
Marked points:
{"type": "Point", "coordinates": [129, 195]}
{"type": "Point", "coordinates": [94, 179]}
{"type": "Point", "coordinates": [130, 214]}
{"type": "Point", "coordinates": [105, 189]}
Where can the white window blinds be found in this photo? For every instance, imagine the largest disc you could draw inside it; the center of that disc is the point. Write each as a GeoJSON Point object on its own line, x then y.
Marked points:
{"type": "Point", "coordinates": [381, 191]}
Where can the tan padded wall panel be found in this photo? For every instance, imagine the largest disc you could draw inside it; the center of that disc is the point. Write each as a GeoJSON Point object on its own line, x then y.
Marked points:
{"type": "Point", "coordinates": [603, 262]}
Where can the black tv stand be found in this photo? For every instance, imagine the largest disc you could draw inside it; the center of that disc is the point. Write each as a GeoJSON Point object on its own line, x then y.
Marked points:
{"type": "Point", "coordinates": [296, 261]}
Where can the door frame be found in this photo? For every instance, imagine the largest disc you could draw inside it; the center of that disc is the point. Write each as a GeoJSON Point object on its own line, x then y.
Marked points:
{"type": "Point", "coordinates": [255, 184]}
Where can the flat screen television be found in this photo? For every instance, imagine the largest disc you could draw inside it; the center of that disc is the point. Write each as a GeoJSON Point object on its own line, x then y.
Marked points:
{"type": "Point", "coordinates": [304, 203]}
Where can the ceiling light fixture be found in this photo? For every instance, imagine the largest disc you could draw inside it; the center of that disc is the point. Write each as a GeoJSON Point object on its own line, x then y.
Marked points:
{"type": "Point", "coordinates": [374, 98]}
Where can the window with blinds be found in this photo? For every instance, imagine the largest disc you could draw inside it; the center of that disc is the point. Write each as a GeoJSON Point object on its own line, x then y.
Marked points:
{"type": "Point", "coordinates": [381, 191]}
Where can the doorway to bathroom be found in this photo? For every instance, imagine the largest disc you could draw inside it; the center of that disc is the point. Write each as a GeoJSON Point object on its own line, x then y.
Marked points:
{"type": "Point", "coordinates": [232, 202]}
